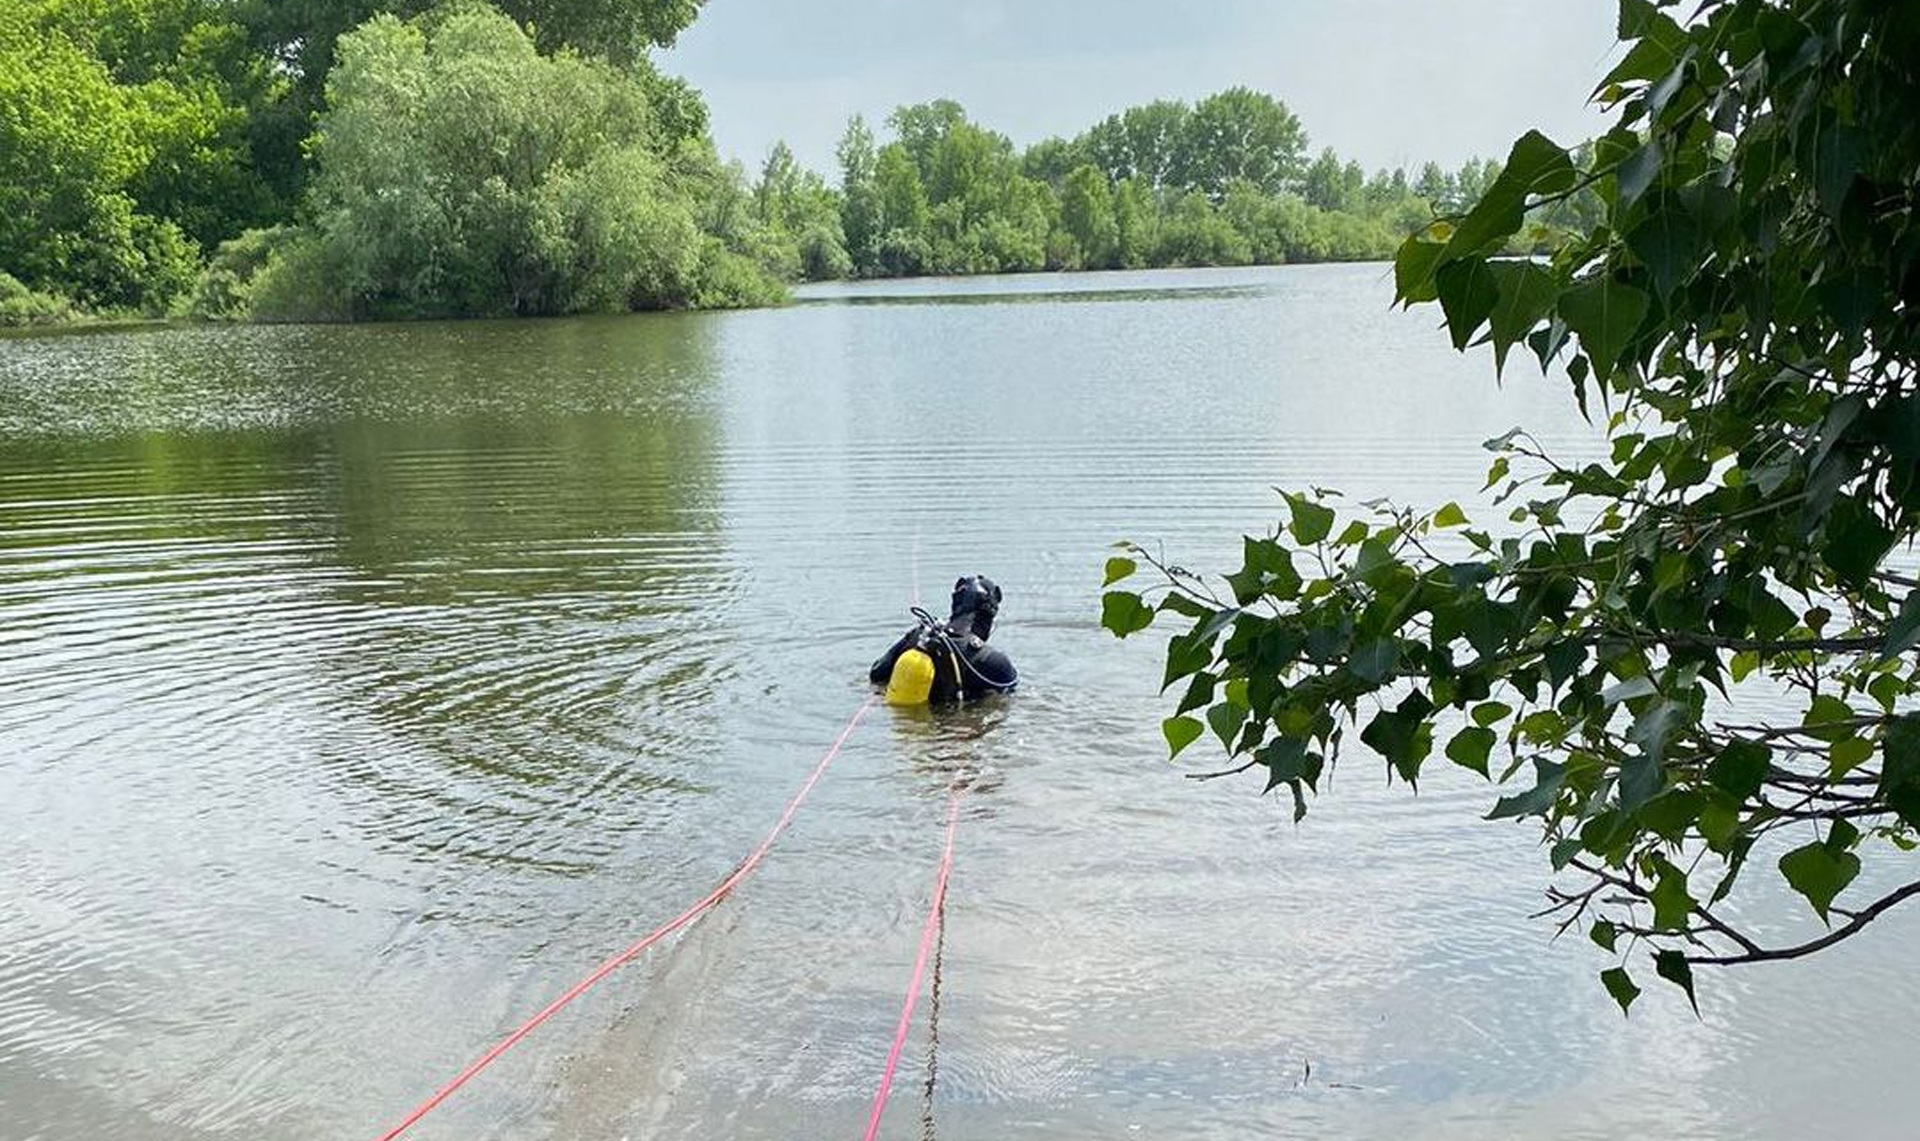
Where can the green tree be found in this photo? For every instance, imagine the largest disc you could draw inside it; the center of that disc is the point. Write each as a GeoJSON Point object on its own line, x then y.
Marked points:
{"type": "Point", "coordinates": [777, 194]}
{"type": "Point", "coordinates": [461, 172]}
{"type": "Point", "coordinates": [1471, 181]}
{"type": "Point", "coordinates": [1693, 662]}
{"type": "Point", "coordinates": [1436, 186]}
{"type": "Point", "coordinates": [1194, 233]}
{"type": "Point", "coordinates": [1086, 212]}
{"type": "Point", "coordinates": [298, 37]}
{"type": "Point", "coordinates": [1051, 161]}
{"type": "Point", "coordinates": [801, 217]}
{"type": "Point", "coordinates": [860, 213]}
{"type": "Point", "coordinates": [1135, 223]}
{"type": "Point", "coordinates": [921, 127]}
{"type": "Point", "coordinates": [1142, 143]}
{"type": "Point", "coordinates": [1326, 184]}
{"type": "Point", "coordinates": [112, 158]}
{"type": "Point", "coordinates": [904, 214]}
{"type": "Point", "coordinates": [1240, 133]}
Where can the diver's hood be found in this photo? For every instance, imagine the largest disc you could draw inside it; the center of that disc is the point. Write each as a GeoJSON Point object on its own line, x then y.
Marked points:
{"type": "Point", "coordinates": [976, 601]}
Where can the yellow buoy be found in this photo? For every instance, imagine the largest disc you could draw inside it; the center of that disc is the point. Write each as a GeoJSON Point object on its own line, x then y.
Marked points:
{"type": "Point", "coordinates": [912, 679]}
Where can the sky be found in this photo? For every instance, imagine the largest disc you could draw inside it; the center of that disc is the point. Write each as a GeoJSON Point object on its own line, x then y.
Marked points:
{"type": "Point", "coordinates": [1387, 82]}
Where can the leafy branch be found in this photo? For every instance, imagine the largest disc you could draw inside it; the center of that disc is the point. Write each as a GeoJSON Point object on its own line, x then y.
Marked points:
{"type": "Point", "coordinates": [1741, 308]}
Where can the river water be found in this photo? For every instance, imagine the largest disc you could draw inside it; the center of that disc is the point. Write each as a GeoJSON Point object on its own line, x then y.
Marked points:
{"type": "Point", "coordinates": [362, 687]}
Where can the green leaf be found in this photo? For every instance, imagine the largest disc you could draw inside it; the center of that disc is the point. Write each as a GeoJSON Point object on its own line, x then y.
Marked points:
{"type": "Point", "coordinates": [1311, 521]}
{"type": "Point", "coordinates": [1180, 603]}
{"type": "Point", "coordinates": [1199, 692]}
{"type": "Point", "coordinates": [1673, 966]}
{"type": "Point", "coordinates": [1669, 246]}
{"type": "Point", "coordinates": [1225, 719]}
{"type": "Point", "coordinates": [1620, 985]}
{"type": "Point", "coordinates": [1819, 874]}
{"type": "Point", "coordinates": [1543, 727]}
{"type": "Point", "coordinates": [1672, 903]}
{"type": "Point", "coordinates": [1549, 776]}
{"type": "Point", "coordinates": [1413, 268]}
{"type": "Point", "coordinates": [1635, 16]}
{"type": "Point", "coordinates": [1450, 515]}
{"type": "Point", "coordinates": [1267, 570]}
{"type": "Point", "coordinates": [1603, 934]}
{"type": "Point", "coordinates": [1187, 654]}
{"type": "Point", "coordinates": [1402, 735]}
{"type": "Point", "coordinates": [1740, 768]}
{"type": "Point", "coordinates": [1832, 713]}
{"type": "Point", "coordinates": [1719, 825]}
{"type": "Point", "coordinates": [1903, 633]}
{"type": "Point", "coordinates": [1638, 170]}
{"type": "Point", "coordinates": [1373, 660]}
{"type": "Point", "coordinates": [1536, 165]}
{"type": "Point", "coordinates": [1179, 732]}
{"type": "Point", "coordinates": [1467, 297]}
{"type": "Point", "coordinates": [1470, 748]}
{"type": "Point", "coordinates": [1657, 726]}
{"type": "Point", "coordinates": [1641, 779]}
{"type": "Point", "coordinates": [1119, 568]}
{"type": "Point", "coordinates": [1900, 754]}
{"type": "Point", "coordinates": [1488, 712]}
{"type": "Point", "coordinates": [1845, 756]}
{"type": "Point", "coordinates": [1123, 613]}
{"type": "Point", "coordinates": [1527, 293]}
{"type": "Point", "coordinates": [1605, 314]}
{"type": "Point", "coordinates": [1856, 541]}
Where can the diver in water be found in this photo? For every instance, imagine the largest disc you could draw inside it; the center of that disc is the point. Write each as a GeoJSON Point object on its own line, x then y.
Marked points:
{"type": "Point", "coordinates": [941, 661]}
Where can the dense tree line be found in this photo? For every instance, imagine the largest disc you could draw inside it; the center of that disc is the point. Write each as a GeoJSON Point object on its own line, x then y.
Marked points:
{"type": "Point", "coordinates": [1225, 181]}
{"type": "Point", "coordinates": [345, 159]}
{"type": "Point", "coordinates": [358, 158]}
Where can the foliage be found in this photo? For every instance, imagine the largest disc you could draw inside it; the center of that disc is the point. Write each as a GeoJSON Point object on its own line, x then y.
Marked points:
{"type": "Point", "coordinates": [1086, 214]}
{"type": "Point", "coordinates": [1221, 182]}
{"type": "Point", "coordinates": [333, 144]}
{"type": "Point", "coordinates": [804, 239]}
{"type": "Point", "coordinates": [122, 145]}
{"type": "Point", "coordinates": [1693, 663]}
{"type": "Point", "coordinates": [225, 289]}
{"type": "Point", "coordinates": [462, 172]}
{"type": "Point", "coordinates": [22, 306]}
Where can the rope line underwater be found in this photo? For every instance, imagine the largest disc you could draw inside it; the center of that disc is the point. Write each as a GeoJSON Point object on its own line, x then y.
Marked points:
{"type": "Point", "coordinates": [613, 963]}
{"type": "Point", "coordinates": [932, 928]}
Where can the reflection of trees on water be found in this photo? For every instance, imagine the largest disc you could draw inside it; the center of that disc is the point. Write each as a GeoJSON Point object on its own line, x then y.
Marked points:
{"type": "Point", "coordinates": [470, 556]}
{"type": "Point", "coordinates": [533, 549]}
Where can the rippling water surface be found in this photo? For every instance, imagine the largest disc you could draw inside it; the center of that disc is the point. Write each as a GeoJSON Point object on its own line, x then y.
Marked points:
{"type": "Point", "coordinates": [361, 687]}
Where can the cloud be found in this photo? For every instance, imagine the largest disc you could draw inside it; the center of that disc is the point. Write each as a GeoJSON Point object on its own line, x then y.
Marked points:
{"type": "Point", "coordinates": [1389, 82]}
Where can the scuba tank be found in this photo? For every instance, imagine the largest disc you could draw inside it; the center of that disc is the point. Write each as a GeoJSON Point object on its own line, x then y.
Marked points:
{"type": "Point", "coordinates": [912, 680]}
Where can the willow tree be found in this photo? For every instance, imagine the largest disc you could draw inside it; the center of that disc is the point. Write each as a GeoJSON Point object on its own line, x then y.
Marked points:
{"type": "Point", "coordinates": [1693, 663]}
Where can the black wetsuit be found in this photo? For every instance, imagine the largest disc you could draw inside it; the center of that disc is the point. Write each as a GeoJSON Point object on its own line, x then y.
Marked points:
{"type": "Point", "coordinates": [963, 664]}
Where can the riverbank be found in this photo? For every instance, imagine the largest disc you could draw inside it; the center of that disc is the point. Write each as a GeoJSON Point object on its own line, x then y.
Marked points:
{"type": "Point", "coordinates": [905, 287]}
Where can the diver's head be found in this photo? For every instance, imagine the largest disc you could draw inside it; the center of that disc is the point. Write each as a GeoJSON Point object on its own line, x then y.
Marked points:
{"type": "Point", "coordinates": [975, 601]}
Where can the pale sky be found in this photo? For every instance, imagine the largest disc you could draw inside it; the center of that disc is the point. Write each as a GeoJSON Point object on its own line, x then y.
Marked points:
{"type": "Point", "coordinates": [1388, 82]}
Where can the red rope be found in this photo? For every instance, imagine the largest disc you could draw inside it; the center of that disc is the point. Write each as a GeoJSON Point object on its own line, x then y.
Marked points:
{"type": "Point", "coordinates": [621, 959]}
{"type": "Point", "coordinates": [927, 932]}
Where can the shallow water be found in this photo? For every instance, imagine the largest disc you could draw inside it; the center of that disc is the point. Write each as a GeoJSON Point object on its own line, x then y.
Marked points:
{"type": "Point", "coordinates": [361, 687]}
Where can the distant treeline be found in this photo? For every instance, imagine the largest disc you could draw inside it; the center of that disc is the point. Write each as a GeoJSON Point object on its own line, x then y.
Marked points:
{"type": "Point", "coordinates": [1225, 181]}
{"type": "Point", "coordinates": [361, 159]}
